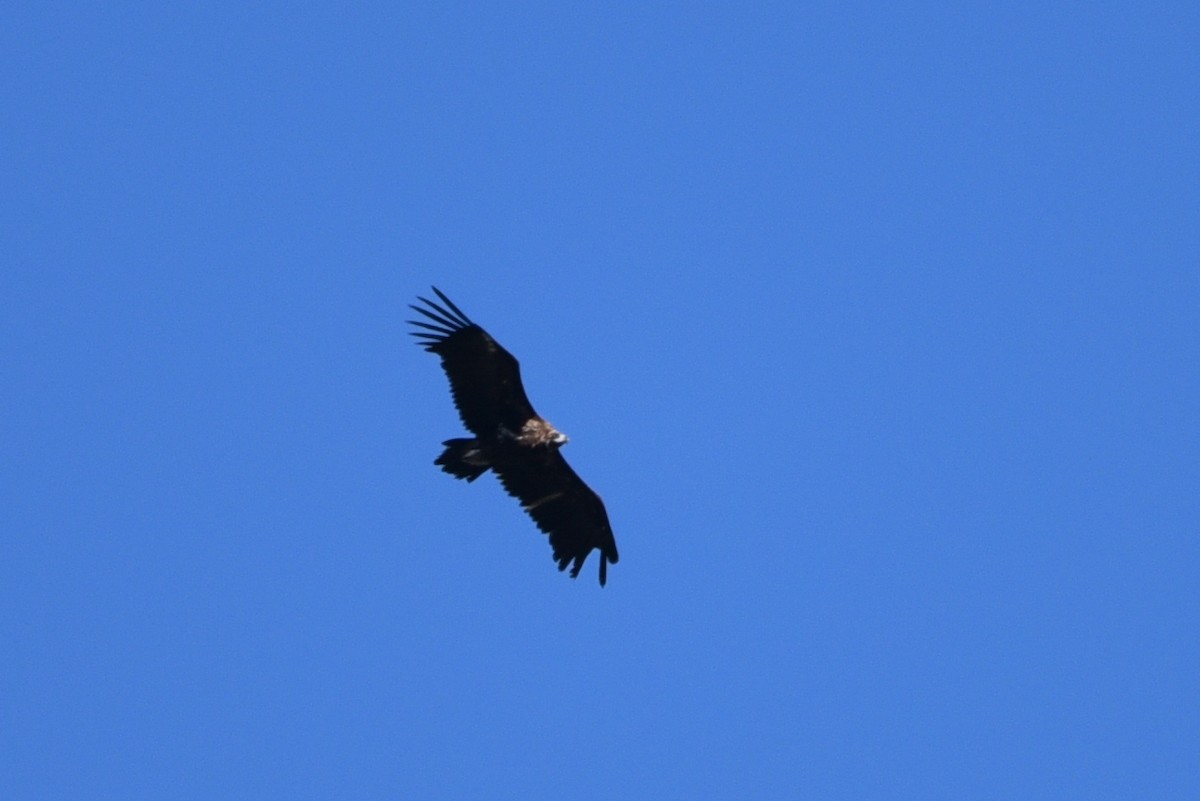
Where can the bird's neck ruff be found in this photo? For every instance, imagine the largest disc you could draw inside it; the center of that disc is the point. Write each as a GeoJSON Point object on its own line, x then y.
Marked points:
{"type": "Point", "coordinates": [539, 433]}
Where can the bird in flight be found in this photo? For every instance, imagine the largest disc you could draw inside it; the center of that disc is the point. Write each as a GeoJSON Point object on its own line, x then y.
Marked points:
{"type": "Point", "coordinates": [510, 439]}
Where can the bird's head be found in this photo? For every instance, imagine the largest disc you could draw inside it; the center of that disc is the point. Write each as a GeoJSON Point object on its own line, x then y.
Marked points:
{"type": "Point", "coordinates": [539, 433]}
{"type": "Point", "coordinates": [552, 436]}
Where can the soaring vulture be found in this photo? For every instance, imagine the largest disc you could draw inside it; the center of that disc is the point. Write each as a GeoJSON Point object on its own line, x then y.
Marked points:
{"type": "Point", "coordinates": [511, 439]}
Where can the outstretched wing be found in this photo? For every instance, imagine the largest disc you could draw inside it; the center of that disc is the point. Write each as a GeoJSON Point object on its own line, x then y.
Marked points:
{"type": "Point", "coordinates": [563, 507]}
{"type": "Point", "coordinates": [485, 379]}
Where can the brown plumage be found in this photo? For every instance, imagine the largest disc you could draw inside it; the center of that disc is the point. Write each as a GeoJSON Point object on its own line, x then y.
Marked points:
{"type": "Point", "coordinates": [511, 440]}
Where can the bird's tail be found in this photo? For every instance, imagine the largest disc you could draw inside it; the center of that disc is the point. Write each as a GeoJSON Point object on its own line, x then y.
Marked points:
{"type": "Point", "coordinates": [463, 458]}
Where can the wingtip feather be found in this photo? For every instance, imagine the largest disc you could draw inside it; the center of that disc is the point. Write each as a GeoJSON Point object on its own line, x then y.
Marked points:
{"type": "Point", "coordinates": [466, 320]}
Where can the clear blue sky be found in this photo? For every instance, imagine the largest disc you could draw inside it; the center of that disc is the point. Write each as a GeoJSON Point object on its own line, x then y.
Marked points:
{"type": "Point", "coordinates": [876, 328]}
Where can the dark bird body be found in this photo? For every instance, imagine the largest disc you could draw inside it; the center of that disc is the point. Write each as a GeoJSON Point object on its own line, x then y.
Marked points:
{"type": "Point", "coordinates": [511, 440]}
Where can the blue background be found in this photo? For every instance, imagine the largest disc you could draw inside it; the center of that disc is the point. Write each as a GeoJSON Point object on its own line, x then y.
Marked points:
{"type": "Point", "coordinates": [876, 328]}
